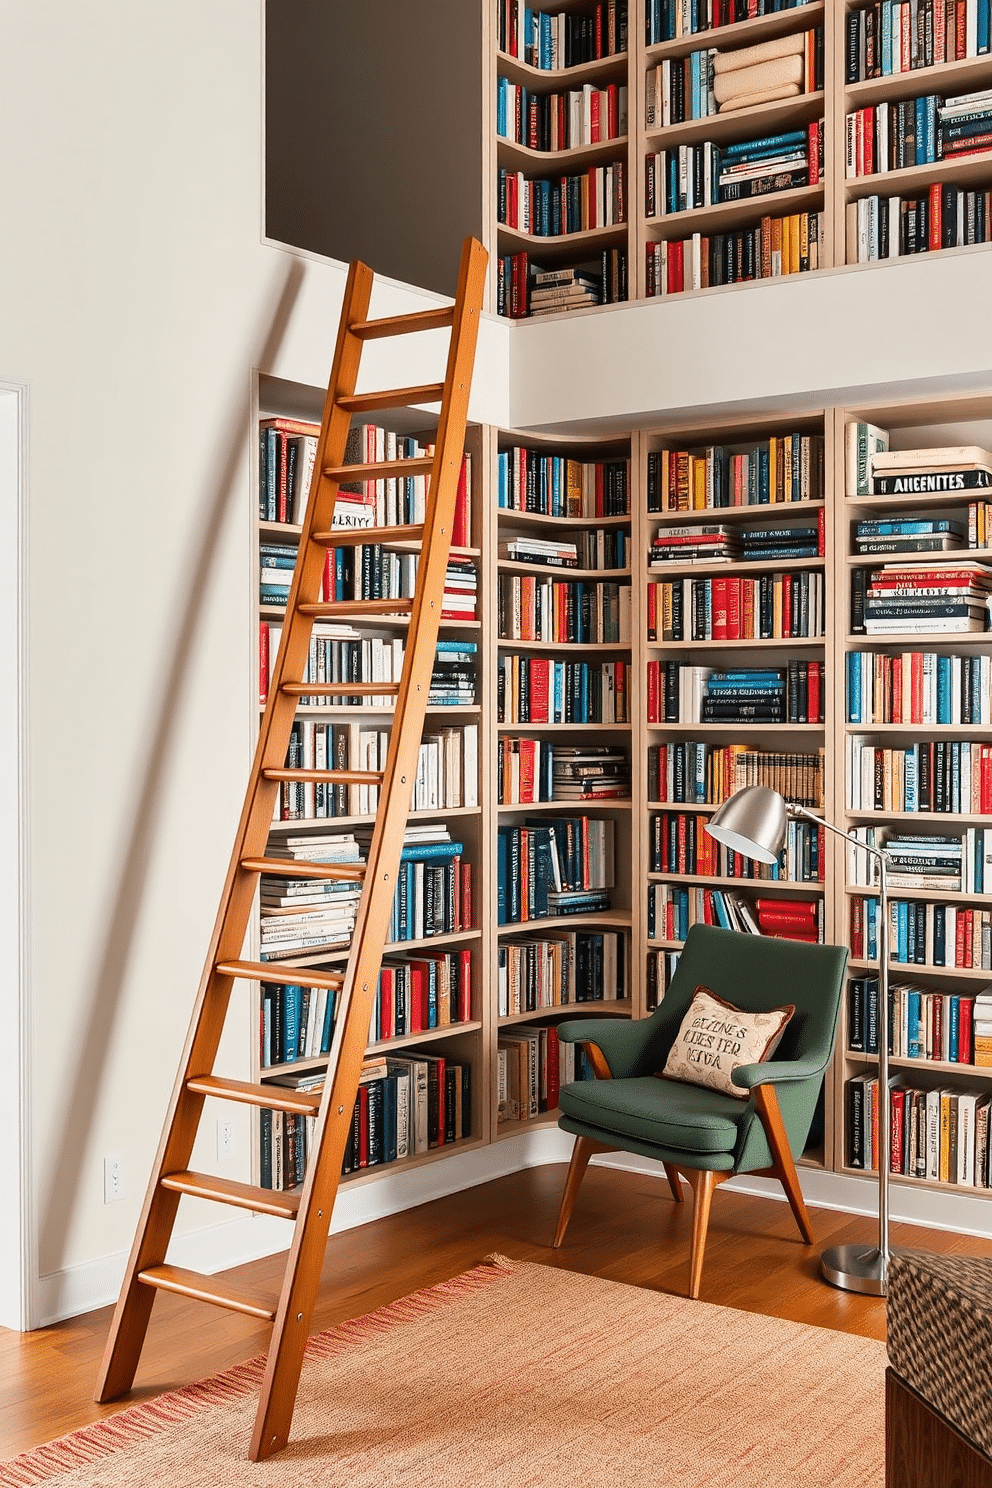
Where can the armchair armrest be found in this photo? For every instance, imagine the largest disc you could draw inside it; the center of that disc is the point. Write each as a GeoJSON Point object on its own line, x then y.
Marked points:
{"type": "Point", "coordinates": [621, 1040]}
{"type": "Point", "coordinates": [776, 1072]}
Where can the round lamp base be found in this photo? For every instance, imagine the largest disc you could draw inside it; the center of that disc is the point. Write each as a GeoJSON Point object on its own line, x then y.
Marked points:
{"type": "Point", "coordinates": [856, 1268]}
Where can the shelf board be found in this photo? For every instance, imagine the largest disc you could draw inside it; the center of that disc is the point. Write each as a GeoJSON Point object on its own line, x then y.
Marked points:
{"type": "Point", "coordinates": [507, 643]}
{"type": "Point", "coordinates": [367, 622]}
{"type": "Point", "coordinates": [936, 896]}
{"type": "Point", "coordinates": [964, 171]}
{"type": "Point", "coordinates": [434, 710]}
{"type": "Point", "coordinates": [936, 1066]}
{"type": "Point", "coordinates": [955, 558]}
{"type": "Point", "coordinates": [738, 566]}
{"type": "Point", "coordinates": [928, 1183]}
{"type": "Point", "coordinates": [291, 533]}
{"type": "Point", "coordinates": [609, 1007]}
{"type": "Point", "coordinates": [392, 948]}
{"type": "Point", "coordinates": [741, 33]}
{"type": "Point", "coordinates": [964, 730]}
{"type": "Point", "coordinates": [370, 1175]}
{"type": "Point", "coordinates": [928, 818]}
{"type": "Point", "coordinates": [516, 157]}
{"type": "Point", "coordinates": [427, 1035]}
{"type": "Point", "coordinates": [706, 881]}
{"type": "Point", "coordinates": [562, 574]}
{"type": "Point", "coordinates": [546, 1119]}
{"type": "Point", "coordinates": [542, 519]}
{"type": "Point", "coordinates": [611, 918]}
{"type": "Point", "coordinates": [779, 117]}
{"type": "Point", "coordinates": [726, 216]}
{"type": "Point", "coordinates": [335, 823]}
{"type": "Point", "coordinates": [546, 728]}
{"type": "Point", "coordinates": [947, 78]}
{"type": "Point", "coordinates": [922, 640]}
{"type": "Point", "coordinates": [566, 808]}
{"type": "Point", "coordinates": [577, 245]}
{"type": "Point", "coordinates": [760, 509]}
{"type": "Point", "coordinates": [789, 642]}
{"type": "Point", "coordinates": [908, 968]}
{"type": "Point", "coordinates": [729, 726]}
{"type": "Point", "coordinates": [601, 70]}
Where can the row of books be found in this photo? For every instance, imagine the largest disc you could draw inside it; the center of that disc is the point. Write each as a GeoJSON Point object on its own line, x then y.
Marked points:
{"type": "Point", "coordinates": [924, 934]}
{"type": "Point", "coordinates": [674, 908]}
{"type": "Point", "coordinates": [688, 177]}
{"type": "Point", "coordinates": [559, 970]}
{"type": "Point", "coordinates": [531, 689]}
{"type": "Point", "coordinates": [949, 598]}
{"type": "Point", "coordinates": [559, 486]}
{"type": "Point", "coordinates": [710, 81]}
{"type": "Point", "coordinates": [306, 914]}
{"type": "Point", "coordinates": [295, 1023]}
{"type": "Point", "coordinates": [554, 866]}
{"type": "Point", "coordinates": [678, 693]}
{"type": "Point", "coordinates": [945, 216]}
{"type": "Point", "coordinates": [552, 40]}
{"type": "Point", "coordinates": [572, 612]}
{"type": "Point", "coordinates": [447, 769]}
{"type": "Point", "coordinates": [599, 548]}
{"type": "Point", "coordinates": [720, 540]}
{"type": "Point", "coordinates": [523, 288]}
{"type": "Point", "coordinates": [668, 20]}
{"type": "Point", "coordinates": [936, 1134]}
{"type": "Point", "coordinates": [532, 1064]}
{"type": "Point", "coordinates": [368, 572]}
{"type": "Point", "coordinates": [918, 687]}
{"type": "Point", "coordinates": [529, 770]}
{"type": "Point", "coordinates": [772, 606]}
{"type": "Point", "coordinates": [768, 250]}
{"type": "Point", "coordinates": [560, 121]}
{"type": "Point", "coordinates": [414, 995]}
{"type": "Point", "coordinates": [340, 653]}
{"type": "Point", "coordinates": [922, 1024]}
{"type": "Point", "coordinates": [888, 37]}
{"type": "Point", "coordinates": [898, 534]}
{"type": "Point", "coordinates": [554, 207]}
{"type": "Point", "coordinates": [917, 131]}
{"type": "Point", "coordinates": [679, 843]}
{"type": "Point", "coordinates": [783, 468]}
{"type": "Point", "coordinates": [658, 972]}
{"type": "Point", "coordinates": [434, 890]}
{"type": "Point", "coordinates": [959, 863]}
{"type": "Point", "coordinates": [692, 771]}
{"type": "Point", "coordinates": [943, 776]}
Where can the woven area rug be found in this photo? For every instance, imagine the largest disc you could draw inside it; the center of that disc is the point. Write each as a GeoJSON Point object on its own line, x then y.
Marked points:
{"type": "Point", "coordinates": [518, 1376]}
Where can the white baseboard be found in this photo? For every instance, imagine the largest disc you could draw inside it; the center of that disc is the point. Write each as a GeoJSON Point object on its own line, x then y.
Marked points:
{"type": "Point", "coordinates": [79, 1289]}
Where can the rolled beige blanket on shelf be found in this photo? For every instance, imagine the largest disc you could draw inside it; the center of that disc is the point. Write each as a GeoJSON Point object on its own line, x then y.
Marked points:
{"type": "Point", "coordinates": [749, 100]}
{"type": "Point", "coordinates": [766, 51]}
{"type": "Point", "coordinates": [781, 72]}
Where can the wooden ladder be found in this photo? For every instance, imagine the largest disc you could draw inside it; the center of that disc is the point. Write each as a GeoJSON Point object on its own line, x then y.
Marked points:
{"type": "Point", "coordinates": [310, 1207]}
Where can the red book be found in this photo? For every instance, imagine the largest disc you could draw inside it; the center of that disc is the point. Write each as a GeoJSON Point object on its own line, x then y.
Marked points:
{"type": "Point", "coordinates": [553, 1071]}
{"type": "Point", "coordinates": [718, 594]}
{"type": "Point", "coordinates": [466, 919]}
{"type": "Point", "coordinates": [916, 680]}
{"type": "Point", "coordinates": [813, 151]}
{"type": "Point", "coordinates": [939, 31]}
{"type": "Point", "coordinates": [813, 691]}
{"type": "Point", "coordinates": [461, 528]}
{"type": "Point", "coordinates": [654, 668]}
{"type": "Point", "coordinates": [464, 985]}
{"type": "Point", "coordinates": [620, 691]}
{"type": "Point", "coordinates": [787, 625]}
{"type": "Point", "coordinates": [897, 1123]}
{"type": "Point", "coordinates": [966, 1047]}
{"type": "Point", "coordinates": [937, 1019]}
{"type": "Point", "coordinates": [961, 34]}
{"type": "Point", "coordinates": [528, 750]}
{"type": "Point", "coordinates": [652, 612]}
{"type": "Point", "coordinates": [734, 632]}
{"type": "Point", "coordinates": [263, 660]}
{"type": "Point", "coordinates": [540, 672]}
{"type": "Point", "coordinates": [387, 1024]}
{"type": "Point", "coordinates": [867, 123]}
{"type": "Point", "coordinates": [959, 936]}
{"type": "Point", "coordinates": [612, 111]}
{"type": "Point", "coordinates": [417, 1019]}
{"type": "Point", "coordinates": [821, 533]}
{"type": "Point", "coordinates": [595, 126]}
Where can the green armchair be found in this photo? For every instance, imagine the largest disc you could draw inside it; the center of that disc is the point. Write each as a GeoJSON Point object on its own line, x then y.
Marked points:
{"type": "Point", "coordinates": [700, 1134]}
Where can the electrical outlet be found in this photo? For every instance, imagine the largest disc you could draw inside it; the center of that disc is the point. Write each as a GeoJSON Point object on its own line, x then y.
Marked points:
{"type": "Point", "coordinates": [113, 1179]}
{"type": "Point", "coordinates": [225, 1139]}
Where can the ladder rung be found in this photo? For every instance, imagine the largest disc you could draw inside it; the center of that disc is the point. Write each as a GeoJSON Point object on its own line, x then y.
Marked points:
{"type": "Point", "coordinates": [334, 609]}
{"type": "Point", "coordinates": [404, 325]}
{"type": "Point", "coordinates": [363, 537]}
{"type": "Point", "coordinates": [206, 1289]}
{"type": "Point", "coordinates": [340, 689]}
{"type": "Point", "coordinates": [228, 1191]}
{"type": "Point", "coordinates": [426, 392]}
{"type": "Point", "coordinates": [286, 976]}
{"type": "Point", "coordinates": [380, 469]}
{"type": "Point", "coordinates": [328, 777]}
{"type": "Point", "coordinates": [243, 1093]}
{"type": "Point", "coordinates": [300, 868]}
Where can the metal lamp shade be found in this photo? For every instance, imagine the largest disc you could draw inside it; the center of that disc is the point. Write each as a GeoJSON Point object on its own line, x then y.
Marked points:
{"type": "Point", "coordinates": [752, 822]}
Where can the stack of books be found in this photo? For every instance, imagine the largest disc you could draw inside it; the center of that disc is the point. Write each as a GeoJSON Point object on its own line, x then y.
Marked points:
{"type": "Point", "coordinates": [966, 124]}
{"type": "Point", "coordinates": [920, 862]}
{"type": "Point", "coordinates": [712, 543]}
{"type": "Point", "coordinates": [902, 598]}
{"type": "Point", "coordinates": [547, 554]}
{"type": "Point", "coordinates": [461, 585]}
{"type": "Point", "coordinates": [780, 162]}
{"type": "Point", "coordinates": [453, 675]}
{"type": "Point", "coordinates": [555, 290]}
{"type": "Point", "coordinates": [895, 534]}
{"type": "Point", "coordinates": [781, 542]}
{"type": "Point", "coordinates": [277, 563]}
{"type": "Point", "coordinates": [305, 915]}
{"type": "Point", "coordinates": [791, 919]}
{"type": "Point", "coordinates": [590, 774]}
{"type": "Point", "coordinates": [926, 472]}
{"type": "Point", "coordinates": [751, 695]}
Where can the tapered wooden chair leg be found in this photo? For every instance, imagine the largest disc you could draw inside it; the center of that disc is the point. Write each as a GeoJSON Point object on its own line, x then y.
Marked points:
{"type": "Point", "coordinates": [674, 1183]}
{"type": "Point", "coordinates": [785, 1169]}
{"type": "Point", "coordinates": [583, 1150]}
{"type": "Point", "coordinates": [703, 1182]}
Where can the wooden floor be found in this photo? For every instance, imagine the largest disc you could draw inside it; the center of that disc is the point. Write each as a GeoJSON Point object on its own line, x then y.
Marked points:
{"type": "Point", "coordinates": [625, 1227]}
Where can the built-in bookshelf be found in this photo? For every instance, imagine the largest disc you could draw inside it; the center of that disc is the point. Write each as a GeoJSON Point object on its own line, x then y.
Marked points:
{"type": "Point", "coordinates": [916, 709]}
{"type": "Point", "coordinates": [565, 711]}
{"type": "Point", "coordinates": [426, 1081]}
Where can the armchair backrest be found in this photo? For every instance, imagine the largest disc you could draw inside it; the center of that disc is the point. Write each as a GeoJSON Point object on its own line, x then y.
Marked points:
{"type": "Point", "coordinates": [756, 972]}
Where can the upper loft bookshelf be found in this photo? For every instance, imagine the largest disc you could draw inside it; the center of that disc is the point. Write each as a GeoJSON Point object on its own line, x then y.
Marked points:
{"type": "Point", "coordinates": [606, 150]}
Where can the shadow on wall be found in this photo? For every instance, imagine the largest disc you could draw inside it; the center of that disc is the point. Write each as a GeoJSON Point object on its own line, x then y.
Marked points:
{"type": "Point", "coordinates": [103, 997]}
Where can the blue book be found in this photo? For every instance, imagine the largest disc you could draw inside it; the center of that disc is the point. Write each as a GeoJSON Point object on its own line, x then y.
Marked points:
{"type": "Point", "coordinates": [914, 1045]}
{"type": "Point", "coordinates": [328, 1029]}
{"type": "Point", "coordinates": [501, 107]}
{"type": "Point", "coordinates": [425, 852]}
{"type": "Point", "coordinates": [502, 870]}
{"type": "Point", "coordinates": [759, 149]}
{"type": "Point", "coordinates": [854, 687]}
{"type": "Point", "coordinates": [943, 689]}
{"type": "Point", "coordinates": [953, 1026]}
{"type": "Point", "coordinates": [697, 110]}
{"type": "Point", "coordinates": [720, 910]}
{"type": "Point", "coordinates": [292, 1003]}
{"type": "Point", "coordinates": [503, 479]}
{"type": "Point", "coordinates": [886, 40]}
{"type": "Point", "coordinates": [545, 41]}
{"type": "Point", "coordinates": [984, 26]}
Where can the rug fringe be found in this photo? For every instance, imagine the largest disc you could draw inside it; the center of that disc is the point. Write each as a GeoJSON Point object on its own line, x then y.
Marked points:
{"type": "Point", "coordinates": [137, 1423]}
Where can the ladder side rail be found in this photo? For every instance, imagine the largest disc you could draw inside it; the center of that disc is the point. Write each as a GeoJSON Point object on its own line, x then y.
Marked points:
{"type": "Point", "coordinates": [296, 1304]}
{"type": "Point", "coordinates": [160, 1206]}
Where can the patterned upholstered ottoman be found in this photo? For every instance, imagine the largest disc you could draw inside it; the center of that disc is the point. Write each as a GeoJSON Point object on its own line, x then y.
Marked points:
{"type": "Point", "coordinates": [939, 1386]}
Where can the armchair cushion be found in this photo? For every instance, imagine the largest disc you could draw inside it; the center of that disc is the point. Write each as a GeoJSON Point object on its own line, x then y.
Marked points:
{"type": "Point", "coordinates": [716, 1037]}
{"type": "Point", "coordinates": [663, 1113]}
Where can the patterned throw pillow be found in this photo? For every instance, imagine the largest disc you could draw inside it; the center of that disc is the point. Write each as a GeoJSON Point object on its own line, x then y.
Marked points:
{"type": "Point", "coordinates": [717, 1037]}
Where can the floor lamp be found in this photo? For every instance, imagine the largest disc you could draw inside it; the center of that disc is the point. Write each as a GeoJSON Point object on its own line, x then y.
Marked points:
{"type": "Point", "coordinates": [754, 822]}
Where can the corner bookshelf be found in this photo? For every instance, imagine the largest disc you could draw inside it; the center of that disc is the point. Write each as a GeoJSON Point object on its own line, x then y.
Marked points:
{"type": "Point", "coordinates": [451, 795]}
{"type": "Point", "coordinates": [530, 512]}
{"type": "Point", "coordinates": [900, 725]}
{"type": "Point", "coordinates": [688, 764]}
